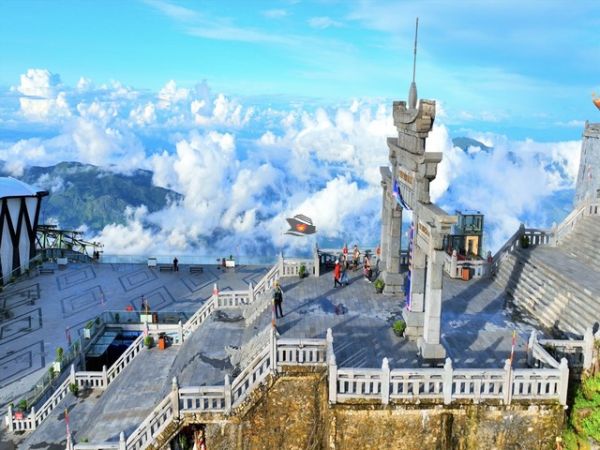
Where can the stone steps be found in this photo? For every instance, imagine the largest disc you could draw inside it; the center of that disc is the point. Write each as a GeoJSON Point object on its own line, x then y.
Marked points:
{"type": "Point", "coordinates": [547, 293]}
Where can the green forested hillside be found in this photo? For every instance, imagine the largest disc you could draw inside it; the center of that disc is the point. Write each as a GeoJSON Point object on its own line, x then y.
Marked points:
{"type": "Point", "coordinates": [85, 194]}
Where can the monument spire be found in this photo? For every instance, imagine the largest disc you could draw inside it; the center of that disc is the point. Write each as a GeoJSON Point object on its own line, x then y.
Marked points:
{"type": "Point", "coordinates": [412, 93]}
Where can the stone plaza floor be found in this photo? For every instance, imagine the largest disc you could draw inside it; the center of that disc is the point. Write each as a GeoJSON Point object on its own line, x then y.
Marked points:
{"type": "Point", "coordinates": [477, 326]}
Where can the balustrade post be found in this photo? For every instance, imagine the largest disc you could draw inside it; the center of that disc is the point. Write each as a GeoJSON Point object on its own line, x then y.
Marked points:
{"type": "Point", "coordinates": [122, 442]}
{"type": "Point", "coordinates": [508, 384]}
{"type": "Point", "coordinates": [73, 379]}
{"type": "Point", "coordinates": [316, 262]}
{"type": "Point", "coordinates": [453, 265]}
{"type": "Point", "coordinates": [332, 369]}
{"type": "Point", "coordinates": [180, 331]}
{"type": "Point", "coordinates": [273, 348]}
{"type": "Point", "coordinates": [385, 381]}
{"type": "Point", "coordinates": [588, 348]}
{"type": "Point", "coordinates": [9, 419]}
{"type": "Point", "coordinates": [564, 381]}
{"type": "Point", "coordinates": [530, 345]}
{"type": "Point", "coordinates": [227, 391]}
{"type": "Point", "coordinates": [250, 293]}
{"type": "Point", "coordinates": [280, 263]}
{"type": "Point", "coordinates": [175, 398]}
{"type": "Point", "coordinates": [447, 378]}
{"type": "Point", "coordinates": [32, 418]}
{"type": "Point", "coordinates": [104, 377]}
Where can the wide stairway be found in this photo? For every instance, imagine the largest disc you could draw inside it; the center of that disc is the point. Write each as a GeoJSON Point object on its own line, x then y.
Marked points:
{"type": "Point", "coordinates": [559, 286]}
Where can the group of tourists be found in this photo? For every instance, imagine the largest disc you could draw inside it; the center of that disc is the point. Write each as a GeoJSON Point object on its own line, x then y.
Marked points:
{"type": "Point", "coordinates": [343, 264]}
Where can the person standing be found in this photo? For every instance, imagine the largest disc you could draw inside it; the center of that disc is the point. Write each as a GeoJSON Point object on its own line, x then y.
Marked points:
{"type": "Point", "coordinates": [337, 274]}
{"type": "Point", "coordinates": [367, 268]}
{"type": "Point", "coordinates": [355, 257]}
{"type": "Point", "coordinates": [344, 264]}
{"type": "Point", "coordinates": [278, 300]}
{"type": "Point", "coordinates": [175, 264]}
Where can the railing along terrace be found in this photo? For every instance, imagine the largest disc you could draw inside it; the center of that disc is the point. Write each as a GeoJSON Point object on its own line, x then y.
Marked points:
{"type": "Point", "coordinates": [578, 353]}
{"type": "Point", "coordinates": [586, 208]}
{"type": "Point", "coordinates": [439, 385]}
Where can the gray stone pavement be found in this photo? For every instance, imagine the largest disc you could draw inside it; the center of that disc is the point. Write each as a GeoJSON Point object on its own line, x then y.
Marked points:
{"type": "Point", "coordinates": [477, 332]}
{"type": "Point", "coordinates": [43, 307]}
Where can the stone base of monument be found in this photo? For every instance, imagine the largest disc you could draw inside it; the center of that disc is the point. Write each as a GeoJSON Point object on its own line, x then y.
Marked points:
{"type": "Point", "coordinates": [432, 353]}
{"type": "Point", "coordinates": [414, 324]}
{"type": "Point", "coordinates": [394, 283]}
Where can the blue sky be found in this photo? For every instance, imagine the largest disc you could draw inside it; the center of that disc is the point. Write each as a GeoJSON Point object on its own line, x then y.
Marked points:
{"type": "Point", "coordinates": [526, 69]}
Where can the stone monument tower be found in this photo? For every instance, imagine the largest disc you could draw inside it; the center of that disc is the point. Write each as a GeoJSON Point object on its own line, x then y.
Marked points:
{"type": "Point", "coordinates": [588, 178]}
{"type": "Point", "coordinates": [406, 186]}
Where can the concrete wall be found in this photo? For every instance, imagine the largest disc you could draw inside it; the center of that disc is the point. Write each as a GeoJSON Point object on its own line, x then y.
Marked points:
{"type": "Point", "coordinates": [293, 413]}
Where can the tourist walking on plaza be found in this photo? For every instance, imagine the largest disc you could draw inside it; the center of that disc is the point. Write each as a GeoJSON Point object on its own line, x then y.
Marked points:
{"type": "Point", "coordinates": [367, 267]}
{"type": "Point", "coordinates": [355, 257]}
{"type": "Point", "coordinates": [337, 274]}
{"type": "Point", "coordinates": [344, 264]}
{"type": "Point", "coordinates": [278, 300]}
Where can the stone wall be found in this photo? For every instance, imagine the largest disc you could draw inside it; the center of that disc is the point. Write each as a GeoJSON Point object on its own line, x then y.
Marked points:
{"type": "Point", "coordinates": [292, 412]}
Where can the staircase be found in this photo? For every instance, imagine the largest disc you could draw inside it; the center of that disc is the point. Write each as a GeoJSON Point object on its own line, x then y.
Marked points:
{"type": "Point", "coordinates": [559, 286]}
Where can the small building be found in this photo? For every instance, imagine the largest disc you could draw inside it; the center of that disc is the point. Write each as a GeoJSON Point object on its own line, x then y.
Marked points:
{"type": "Point", "coordinates": [19, 213]}
{"type": "Point", "coordinates": [467, 235]}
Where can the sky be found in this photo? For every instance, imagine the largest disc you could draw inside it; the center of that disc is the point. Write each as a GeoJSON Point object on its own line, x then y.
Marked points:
{"type": "Point", "coordinates": [284, 106]}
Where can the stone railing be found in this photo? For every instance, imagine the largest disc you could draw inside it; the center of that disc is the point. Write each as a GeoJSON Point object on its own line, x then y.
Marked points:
{"type": "Point", "coordinates": [83, 379]}
{"type": "Point", "coordinates": [454, 267]}
{"type": "Point", "coordinates": [536, 237]}
{"type": "Point", "coordinates": [439, 385]}
{"type": "Point", "coordinates": [291, 267]}
{"type": "Point", "coordinates": [125, 359]}
{"type": "Point", "coordinates": [586, 208]}
{"type": "Point", "coordinates": [234, 299]}
{"type": "Point", "coordinates": [578, 353]}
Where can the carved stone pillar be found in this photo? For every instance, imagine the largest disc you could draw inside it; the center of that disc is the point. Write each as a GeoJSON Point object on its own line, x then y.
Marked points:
{"type": "Point", "coordinates": [385, 224]}
{"type": "Point", "coordinates": [430, 345]}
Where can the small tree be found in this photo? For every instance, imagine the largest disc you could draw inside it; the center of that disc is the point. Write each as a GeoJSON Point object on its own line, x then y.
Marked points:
{"type": "Point", "coordinates": [74, 389]}
{"type": "Point", "coordinates": [149, 341]}
{"type": "Point", "coordinates": [59, 354]}
{"type": "Point", "coordinates": [22, 405]}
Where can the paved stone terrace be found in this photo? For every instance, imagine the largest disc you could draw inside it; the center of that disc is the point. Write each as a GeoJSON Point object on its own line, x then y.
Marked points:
{"type": "Point", "coordinates": [69, 298]}
{"type": "Point", "coordinates": [477, 331]}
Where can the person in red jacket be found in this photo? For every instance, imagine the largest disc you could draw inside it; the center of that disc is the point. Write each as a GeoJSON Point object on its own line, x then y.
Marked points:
{"type": "Point", "coordinates": [337, 273]}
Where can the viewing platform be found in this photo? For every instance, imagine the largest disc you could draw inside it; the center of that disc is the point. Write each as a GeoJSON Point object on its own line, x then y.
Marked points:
{"type": "Point", "coordinates": [477, 331]}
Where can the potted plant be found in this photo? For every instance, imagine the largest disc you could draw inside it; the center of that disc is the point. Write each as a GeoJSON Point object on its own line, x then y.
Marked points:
{"type": "Point", "coordinates": [59, 357]}
{"type": "Point", "coordinates": [74, 389]}
{"type": "Point", "coordinates": [399, 327]}
{"type": "Point", "coordinates": [117, 317]}
{"type": "Point", "coordinates": [524, 241]}
{"type": "Point", "coordinates": [21, 409]}
{"type": "Point", "coordinates": [149, 341]}
{"type": "Point", "coordinates": [379, 285]}
{"type": "Point", "coordinates": [87, 330]}
{"type": "Point", "coordinates": [302, 271]}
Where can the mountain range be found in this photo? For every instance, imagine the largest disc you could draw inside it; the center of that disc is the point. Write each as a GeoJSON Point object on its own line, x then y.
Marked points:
{"type": "Point", "coordinates": [83, 194]}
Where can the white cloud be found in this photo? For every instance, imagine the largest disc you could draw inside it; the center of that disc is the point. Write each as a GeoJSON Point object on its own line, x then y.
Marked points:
{"type": "Point", "coordinates": [242, 169]}
{"type": "Point", "coordinates": [42, 97]}
{"type": "Point", "coordinates": [323, 22]}
{"type": "Point", "coordinates": [275, 13]}
{"type": "Point", "coordinates": [171, 94]}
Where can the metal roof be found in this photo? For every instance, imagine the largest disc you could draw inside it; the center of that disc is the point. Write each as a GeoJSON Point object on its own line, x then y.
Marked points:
{"type": "Point", "coordinates": [11, 187]}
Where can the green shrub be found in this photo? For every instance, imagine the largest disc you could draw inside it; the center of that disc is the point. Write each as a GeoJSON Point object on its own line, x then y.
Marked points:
{"type": "Point", "coordinates": [89, 325]}
{"type": "Point", "coordinates": [399, 327]}
{"type": "Point", "coordinates": [59, 354]}
{"type": "Point", "coordinates": [584, 423]}
{"type": "Point", "coordinates": [22, 405]}
{"type": "Point", "coordinates": [302, 271]}
{"type": "Point", "coordinates": [524, 241]}
{"type": "Point", "coordinates": [149, 341]}
{"type": "Point", "coordinates": [379, 285]}
{"type": "Point", "coordinates": [74, 388]}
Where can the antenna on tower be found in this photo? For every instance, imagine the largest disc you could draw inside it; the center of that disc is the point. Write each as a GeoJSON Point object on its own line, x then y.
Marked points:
{"type": "Point", "coordinates": [412, 93]}
{"type": "Point", "coordinates": [415, 52]}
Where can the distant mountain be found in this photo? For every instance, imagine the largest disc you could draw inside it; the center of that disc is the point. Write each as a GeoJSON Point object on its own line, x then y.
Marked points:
{"type": "Point", "coordinates": [464, 143]}
{"type": "Point", "coordinates": [83, 194]}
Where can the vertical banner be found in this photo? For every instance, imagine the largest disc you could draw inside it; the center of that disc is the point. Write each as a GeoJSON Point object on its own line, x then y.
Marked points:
{"type": "Point", "coordinates": [411, 232]}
